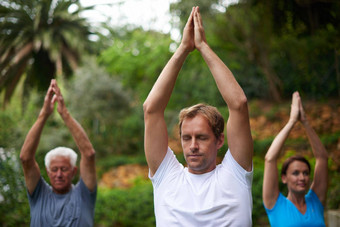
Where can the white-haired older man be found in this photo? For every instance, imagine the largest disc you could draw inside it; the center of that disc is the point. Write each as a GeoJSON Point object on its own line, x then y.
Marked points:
{"type": "Point", "coordinates": [62, 203]}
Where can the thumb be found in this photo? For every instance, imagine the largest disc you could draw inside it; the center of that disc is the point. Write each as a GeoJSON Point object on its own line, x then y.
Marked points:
{"type": "Point", "coordinates": [54, 99]}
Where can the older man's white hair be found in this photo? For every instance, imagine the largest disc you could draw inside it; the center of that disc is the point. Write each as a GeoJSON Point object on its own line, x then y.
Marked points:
{"type": "Point", "coordinates": [61, 151]}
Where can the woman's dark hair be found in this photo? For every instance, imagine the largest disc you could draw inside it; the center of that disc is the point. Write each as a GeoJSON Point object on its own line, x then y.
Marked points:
{"type": "Point", "coordinates": [291, 159]}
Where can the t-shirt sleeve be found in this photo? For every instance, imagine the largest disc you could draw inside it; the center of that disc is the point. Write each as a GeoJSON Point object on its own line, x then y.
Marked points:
{"type": "Point", "coordinates": [230, 164]}
{"type": "Point", "coordinates": [86, 193]}
{"type": "Point", "coordinates": [314, 199]}
{"type": "Point", "coordinates": [279, 201]}
{"type": "Point", "coordinates": [41, 186]}
{"type": "Point", "coordinates": [167, 166]}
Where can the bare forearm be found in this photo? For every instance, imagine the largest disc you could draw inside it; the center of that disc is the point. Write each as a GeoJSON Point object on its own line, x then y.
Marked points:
{"type": "Point", "coordinates": [277, 144]}
{"type": "Point", "coordinates": [319, 184]}
{"type": "Point", "coordinates": [229, 88]}
{"type": "Point", "coordinates": [79, 135]}
{"type": "Point", "coordinates": [160, 94]}
{"type": "Point", "coordinates": [32, 139]}
{"type": "Point", "coordinates": [318, 148]}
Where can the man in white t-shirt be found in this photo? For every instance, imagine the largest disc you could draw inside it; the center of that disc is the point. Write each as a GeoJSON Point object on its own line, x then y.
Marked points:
{"type": "Point", "coordinates": [203, 193]}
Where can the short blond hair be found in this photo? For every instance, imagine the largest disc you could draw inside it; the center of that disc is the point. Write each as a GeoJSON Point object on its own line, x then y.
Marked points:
{"type": "Point", "coordinates": [214, 117]}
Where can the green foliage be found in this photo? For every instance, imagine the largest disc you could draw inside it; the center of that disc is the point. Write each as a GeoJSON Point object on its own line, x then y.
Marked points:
{"type": "Point", "coordinates": [330, 138]}
{"type": "Point", "coordinates": [261, 146]}
{"type": "Point", "coordinates": [333, 195]}
{"type": "Point", "coordinates": [8, 133]}
{"type": "Point", "coordinates": [36, 33]}
{"type": "Point", "coordinates": [271, 49]}
{"type": "Point", "coordinates": [105, 164]}
{"type": "Point", "coordinates": [114, 124]}
{"type": "Point", "coordinates": [131, 207]}
{"type": "Point", "coordinates": [307, 64]}
{"type": "Point", "coordinates": [14, 206]}
{"type": "Point", "coordinates": [259, 214]}
{"type": "Point", "coordinates": [137, 57]}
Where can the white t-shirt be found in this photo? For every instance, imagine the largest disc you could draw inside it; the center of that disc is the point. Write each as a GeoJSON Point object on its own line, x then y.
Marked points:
{"type": "Point", "coordinates": [221, 197]}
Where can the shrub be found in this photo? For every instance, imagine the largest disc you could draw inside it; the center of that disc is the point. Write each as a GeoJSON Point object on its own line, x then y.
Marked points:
{"type": "Point", "coordinates": [120, 207]}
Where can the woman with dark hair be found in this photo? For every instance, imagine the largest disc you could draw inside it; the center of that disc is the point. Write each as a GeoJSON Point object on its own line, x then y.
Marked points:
{"type": "Point", "coordinates": [298, 208]}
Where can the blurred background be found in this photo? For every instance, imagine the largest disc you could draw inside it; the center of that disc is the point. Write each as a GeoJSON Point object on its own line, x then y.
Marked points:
{"type": "Point", "coordinates": [106, 56]}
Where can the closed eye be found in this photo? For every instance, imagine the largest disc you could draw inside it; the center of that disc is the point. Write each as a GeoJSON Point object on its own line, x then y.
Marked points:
{"type": "Point", "coordinates": [186, 138]}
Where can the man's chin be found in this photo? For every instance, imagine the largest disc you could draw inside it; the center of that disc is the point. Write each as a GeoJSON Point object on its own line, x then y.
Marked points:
{"type": "Point", "coordinates": [60, 189]}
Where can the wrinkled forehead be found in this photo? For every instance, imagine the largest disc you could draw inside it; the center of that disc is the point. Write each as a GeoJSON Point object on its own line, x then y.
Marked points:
{"type": "Point", "coordinates": [60, 161]}
{"type": "Point", "coordinates": [197, 123]}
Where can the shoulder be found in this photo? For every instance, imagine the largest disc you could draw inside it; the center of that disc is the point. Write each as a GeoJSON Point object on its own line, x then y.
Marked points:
{"type": "Point", "coordinates": [280, 203]}
{"type": "Point", "coordinates": [313, 199]}
{"type": "Point", "coordinates": [230, 165]}
{"type": "Point", "coordinates": [42, 188]}
{"type": "Point", "coordinates": [170, 166]}
{"type": "Point", "coordinates": [81, 186]}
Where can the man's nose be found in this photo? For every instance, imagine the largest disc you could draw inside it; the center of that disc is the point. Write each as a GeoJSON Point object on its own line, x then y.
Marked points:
{"type": "Point", "coordinates": [59, 172]}
{"type": "Point", "coordinates": [193, 145]}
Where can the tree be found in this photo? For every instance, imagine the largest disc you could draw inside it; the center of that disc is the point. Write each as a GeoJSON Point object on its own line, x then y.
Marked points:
{"type": "Point", "coordinates": [273, 47]}
{"type": "Point", "coordinates": [41, 39]}
{"type": "Point", "coordinates": [107, 111]}
{"type": "Point", "coordinates": [136, 57]}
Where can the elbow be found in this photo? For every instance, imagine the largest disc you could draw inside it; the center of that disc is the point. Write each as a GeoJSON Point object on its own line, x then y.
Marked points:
{"type": "Point", "coordinates": [148, 109]}
{"type": "Point", "coordinates": [324, 156]}
{"type": "Point", "coordinates": [241, 103]}
{"type": "Point", "coordinates": [270, 159]}
{"type": "Point", "coordinates": [24, 158]}
{"type": "Point", "coordinates": [145, 107]}
{"type": "Point", "coordinates": [91, 154]}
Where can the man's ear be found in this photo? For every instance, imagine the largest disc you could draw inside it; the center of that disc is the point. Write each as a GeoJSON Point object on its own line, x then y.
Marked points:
{"type": "Point", "coordinates": [220, 141]}
{"type": "Point", "coordinates": [75, 169]}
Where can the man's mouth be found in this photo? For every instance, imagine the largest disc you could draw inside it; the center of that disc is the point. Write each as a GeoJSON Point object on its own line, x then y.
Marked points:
{"type": "Point", "coordinates": [194, 155]}
{"type": "Point", "coordinates": [59, 181]}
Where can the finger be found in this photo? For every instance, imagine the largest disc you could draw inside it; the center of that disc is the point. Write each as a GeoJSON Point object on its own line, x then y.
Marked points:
{"type": "Point", "coordinates": [199, 18]}
{"type": "Point", "coordinates": [190, 19]}
{"type": "Point", "coordinates": [49, 93]}
{"type": "Point", "coordinates": [54, 99]}
{"type": "Point", "coordinates": [196, 23]}
{"type": "Point", "coordinates": [56, 89]}
{"type": "Point", "coordinates": [295, 100]}
{"type": "Point", "coordinates": [300, 105]}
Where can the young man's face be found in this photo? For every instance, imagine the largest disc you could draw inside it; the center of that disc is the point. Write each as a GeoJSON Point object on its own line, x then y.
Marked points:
{"type": "Point", "coordinates": [297, 177]}
{"type": "Point", "coordinates": [199, 144]}
{"type": "Point", "coordinates": [61, 174]}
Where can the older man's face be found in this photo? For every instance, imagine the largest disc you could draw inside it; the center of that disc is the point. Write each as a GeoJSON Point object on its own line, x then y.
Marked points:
{"type": "Point", "coordinates": [61, 174]}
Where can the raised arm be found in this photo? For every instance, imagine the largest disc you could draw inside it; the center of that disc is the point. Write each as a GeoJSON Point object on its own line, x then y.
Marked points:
{"type": "Point", "coordinates": [238, 128]}
{"type": "Point", "coordinates": [27, 154]}
{"type": "Point", "coordinates": [87, 160]}
{"type": "Point", "coordinates": [320, 181]}
{"type": "Point", "coordinates": [156, 135]}
{"type": "Point", "coordinates": [270, 189]}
